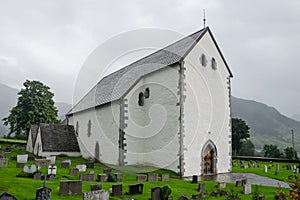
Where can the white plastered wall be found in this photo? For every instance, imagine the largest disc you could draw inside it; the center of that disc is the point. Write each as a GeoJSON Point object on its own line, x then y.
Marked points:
{"type": "Point", "coordinates": [29, 144]}
{"type": "Point", "coordinates": [206, 108]}
{"type": "Point", "coordinates": [151, 136]}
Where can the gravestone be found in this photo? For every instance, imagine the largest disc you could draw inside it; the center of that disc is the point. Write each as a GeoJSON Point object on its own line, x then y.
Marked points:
{"type": "Point", "coordinates": [96, 195]}
{"type": "Point", "coordinates": [120, 177]}
{"type": "Point", "coordinates": [261, 197]}
{"type": "Point", "coordinates": [52, 170]}
{"type": "Point", "coordinates": [65, 163]}
{"type": "Point", "coordinates": [135, 189]}
{"type": "Point", "coordinates": [152, 177]}
{"type": "Point", "coordinates": [2, 154]}
{"type": "Point", "coordinates": [37, 176]}
{"type": "Point", "coordinates": [198, 196]}
{"type": "Point", "coordinates": [111, 177]}
{"type": "Point", "coordinates": [20, 165]}
{"type": "Point", "coordinates": [141, 178]}
{"type": "Point", "coordinates": [8, 149]}
{"type": "Point", "coordinates": [73, 187]}
{"type": "Point", "coordinates": [165, 177]}
{"type": "Point", "coordinates": [195, 179]}
{"type": "Point", "coordinates": [117, 190]}
{"type": "Point", "coordinates": [87, 177]}
{"type": "Point", "coordinates": [289, 167]}
{"type": "Point", "coordinates": [3, 162]}
{"type": "Point", "coordinates": [22, 158]}
{"type": "Point", "coordinates": [297, 170]}
{"type": "Point", "coordinates": [51, 177]}
{"type": "Point", "coordinates": [266, 169]}
{"type": "Point", "coordinates": [238, 183]}
{"type": "Point", "coordinates": [13, 158]}
{"type": "Point", "coordinates": [7, 196]}
{"type": "Point", "coordinates": [29, 169]}
{"type": "Point", "coordinates": [31, 158]}
{"type": "Point", "coordinates": [96, 187]}
{"type": "Point", "coordinates": [81, 168]}
{"type": "Point", "coordinates": [90, 165]}
{"type": "Point", "coordinates": [221, 185]}
{"type": "Point", "coordinates": [201, 188]}
{"type": "Point", "coordinates": [247, 189]}
{"type": "Point", "coordinates": [156, 193]}
{"type": "Point", "coordinates": [108, 170]}
{"type": "Point", "coordinates": [102, 178]}
{"type": "Point", "coordinates": [277, 169]}
{"type": "Point", "coordinates": [184, 197]}
{"type": "Point", "coordinates": [43, 193]}
{"type": "Point", "coordinates": [52, 159]}
{"type": "Point", "coordinates": [74, 171]}
{"type": "Point", "coordinates": [42, 163]}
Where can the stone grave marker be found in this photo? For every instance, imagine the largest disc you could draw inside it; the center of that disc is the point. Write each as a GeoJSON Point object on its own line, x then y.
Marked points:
{"type": "Point", "coordinates": [8, 149]}
{"type": "Point", "coordinates": [7, 196]}
{"type": "Point", "coordinates": [141, 178]}
{"type": "Point", "coordinates": [221, 185]}
{"type": "Point", "coordinates": [29, 169]}
{"type": "Point", "coordinates": [201, 188]}
{"type": "Point", "coordinates": [96, 195]}
{"type": "Point", "coordinates": [297, 170]}
{"type": "Point", "coordinates": [277, 169]}
{"type": "Point", "coordinates": [289, 167]}
{"type": "Point", "coordinates": [87, 177]}
{"type": "Point", "coordinates": [102, 178]}
{"type": "Point", "coordinates": [165, 177]}
{"type": "Point", "coordinates": [108, 170]}
{"type": "Point", "coordinates": [136, 189]}
{"type": "Point", "coordinates": [81, 168]}
{"type": "Point", "coordinates": [65, 163]}
{"type": "Point", "coordinates": [266, 169]}
{"type": "Point", "coordinates": [74, 171]}
{"type": "Point", "coordinates": [20, 165]}
{"type": "Point", "coordinates": [51, 177]}
{"type": "Point", "coordinates": [184, 197]}
{"type": "Point", "coordinates": [73, 187]}
{"type": "Point", "coordinates": [90, 165]}
{"type": "Point", "coordinates": [43, 193]}
{"type": "Point", "coordinates": [37, 176]}
{"type": "Point", "coordinates": [152, 177]}
{"type": "Point", "coordinates": [52, 159]}
{"type": "Point", "coordinates": [117, 190]}
{"type": "Point", "coordinates": [2, 154]}
{"type": "Point", "coordinates": [42, 163]}
{"type": "Point", "coordinates": [31, 158]}
{"type": "Point", "coordinates": [52, 170]}
{"type": "Point", "coordinates": [13, 158]}
{"type": "Point", "coordinates": [261, 197]}
{"type": "Point", "coordinates": [238, 183]}
{"type": "Point", "coordinates": [22, 158]}
{"type": "Point", "coordinates": [96, 187]}
{"type": "Point", "coordinates": [156, 193]}
{"type": "Point", "coordinates": [3, 162]}
{"type": "Point", "coordinates": [247, 189]}
{"type": "Point", "coordinates": [120, 177]}
{"type": "Point", "coordinates": [195, 179]}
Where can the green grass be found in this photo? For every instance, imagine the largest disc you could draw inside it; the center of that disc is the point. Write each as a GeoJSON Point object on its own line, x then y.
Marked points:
{"type": "Point", "coordinates": [25, 188]}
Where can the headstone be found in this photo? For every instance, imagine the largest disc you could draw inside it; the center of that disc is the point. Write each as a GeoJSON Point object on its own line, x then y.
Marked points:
{"type": "Point", "coordinates": [13, 158]}
{"type": "Point", "coordinates": [120, 177]}
{"type": "Point", "coordinates": [65, 163]}
{"type": "Point", "coordinates": [152, 177]}
{"type": "Point", "coordinates": [96, 195]}
{"type": "Point", "coordinates": [238, 183]}
{"type": "Point", "coordinates": [165, 177]}
{"type": "Point", "coordinates": [8, 149]}
{"type": "Point", "coordinates": [42, 163]}
{"type": "Point", "coordinates": [297, 170]}
{"type": "Point", "coordinates": [156, 193]}
{"type": "Point", "coordinates": [81, 168]}
{"type": "Point", "coordinates": [108, 170]}
{"type": "Point", "coordinates": [198, 196]}
{"type": "Point", "coordinates": [3, 162]}
{"type": "Point", "coordinates": [37, 175]}
{"type": "Point", "coordinates": [266, 169]}
{"type": "Point", "coordinates": [20, 165]}
{"type": "Point", "coordinates": [87, 177]}
{"type": "Point", "coordinates": [247, 189]}
{"type": "Point", "coordinates": [111, 177]}
{"type": "Point", "coordinates": [102, 178]}
{"type": "Point", "coordinates": [73, 187]}
{"type": "Point", "coordinates": [277, 169]}
{"type": "Point", "coordinates": [74, 171]}
{"type": "Point", "coordinates": [261, 197]}
{"type": "Point", "coordinates": [195, 179]}
{"type": "Point", "coordinates": [52, 159]}
{"type": "Point", "coordinates": [289, 167]}
{"type": "Point", "coordinates": [295, 167]}
{"type": "Point", "coordinates": [31, 158]}
{"type": "Point", "coordinates": [29, 169]}
{"type": "Point", "coordinates": [22, 158]}
{"type": "Point", "coordinates": [221, 185]}
{"type": "Point", "coordinates": [201, 188]}
{"type": "Point", "coordinates": [90, 165]}
{"type": "Point", "coordinates": [7, 196]}
{"type": "Point", "coordinates": [2, 154]}
{"type": "Point", "coordinates": [135, 189]}
{"type": "Point", "coordinates": [96, 187]}
{"type": "Point", "coordinates": [51, 177]}
{"type": "Point", "coordinates": [117, 190]}
{"type": "Point", "coordinates": [141, 178]}
{"type": "Point", "coordinates": [43, 193]}
{"type": "Point", "coordinates": [52, 170]}
{"type": "Point", "coordinates": [184, 197]}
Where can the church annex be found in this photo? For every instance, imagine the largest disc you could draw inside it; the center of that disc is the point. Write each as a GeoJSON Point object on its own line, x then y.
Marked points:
{"type": "Point", "coordinates": [170, 109]}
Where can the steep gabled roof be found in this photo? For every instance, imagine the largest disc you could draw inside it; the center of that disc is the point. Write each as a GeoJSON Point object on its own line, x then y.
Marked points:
{"type": "Point", "coordinates": [58, 138]}
{"type": "Point", "coordinates": [34, 131]}
{"type": "Point", "coordinates": [114, 86]}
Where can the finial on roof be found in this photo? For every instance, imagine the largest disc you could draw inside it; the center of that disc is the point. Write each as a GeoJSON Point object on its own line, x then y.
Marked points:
{"type": "Point", "coordinates": [204, 19]}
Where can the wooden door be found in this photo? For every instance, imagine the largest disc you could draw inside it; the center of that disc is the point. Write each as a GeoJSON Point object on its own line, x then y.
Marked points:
{"type": "Point", "coordinates": [208, 162]}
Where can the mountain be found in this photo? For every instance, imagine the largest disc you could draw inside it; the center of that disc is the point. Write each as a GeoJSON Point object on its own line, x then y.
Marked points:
{"type": "Point", "coordinates": [296, 117]}
{"type": "Point", "coordinates": [267, 125]}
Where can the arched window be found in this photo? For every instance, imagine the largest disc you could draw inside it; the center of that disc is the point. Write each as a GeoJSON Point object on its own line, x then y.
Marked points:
{"type": "Point", "coordinates": [213, 63]}
{"type": "Point", "coordinates": [147, 93]}
{"type": "Point", "coordinates": [141, 99]}
{"type": "Point", "coordinates": [77, 129]}
{"type": "Point", "coordinates": [203, 60]}
{"type": "Point", "coordinates": [89, 131]}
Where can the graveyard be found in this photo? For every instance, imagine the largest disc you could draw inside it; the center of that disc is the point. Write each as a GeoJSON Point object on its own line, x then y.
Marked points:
{"type": "Point", "coordinates": [23, 175]}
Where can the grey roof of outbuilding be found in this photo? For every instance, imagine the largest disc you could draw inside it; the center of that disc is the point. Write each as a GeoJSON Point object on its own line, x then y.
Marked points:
{"type": "Point", "coordinates": [34, 131]}
{"type": "Point", "coordinates": [58, 138]}
{"type": "Point", "coordinates": [114, 86]}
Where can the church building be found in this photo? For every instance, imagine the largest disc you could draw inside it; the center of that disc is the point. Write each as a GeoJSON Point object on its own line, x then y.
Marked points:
{"type": "Point", "coordinates": [170, 109]}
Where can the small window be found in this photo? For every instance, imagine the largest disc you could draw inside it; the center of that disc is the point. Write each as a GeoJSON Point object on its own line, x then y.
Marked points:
{"type": "Point", "coordinates": [203, 60]}
{"type": "Point", "coordinates": [77, 129]}
{"type": "Point", "coordinates": [147, 93]}
{"type": "Point", "coordinates": [89, 131]}
{"type": "Point", "coordinates": [213, 63]}
{"type": "Point", "coordinates": [141, 99]}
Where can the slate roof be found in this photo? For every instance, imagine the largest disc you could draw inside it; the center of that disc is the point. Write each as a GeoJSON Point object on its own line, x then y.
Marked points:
{"type": "Point", "coordinates": [34, 131]}
{"type": "Point", "coordinates": [114, 86]}
{"type": "Point", "coordinates": [58, 138]}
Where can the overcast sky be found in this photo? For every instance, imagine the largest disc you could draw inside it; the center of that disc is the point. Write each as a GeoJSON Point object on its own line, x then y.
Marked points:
{"type": "Point", "coordinates": [50, 40]}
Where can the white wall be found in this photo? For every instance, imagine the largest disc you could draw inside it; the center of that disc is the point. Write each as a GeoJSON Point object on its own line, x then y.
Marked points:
{"type": "Point", "coordinates": [29, 145]}
{"type": "Point", "coordinates": [152, 130]}
{"type": "Point", "coordinates": [206, 108]}
{"type": "Point", "coordinates": [104, 130]}
{"type": "Point", "coordinates": [38, 144]}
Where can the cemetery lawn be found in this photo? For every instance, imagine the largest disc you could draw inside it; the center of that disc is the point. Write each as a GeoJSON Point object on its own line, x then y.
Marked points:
{"type": "Point", "coordinates": [25, 188]}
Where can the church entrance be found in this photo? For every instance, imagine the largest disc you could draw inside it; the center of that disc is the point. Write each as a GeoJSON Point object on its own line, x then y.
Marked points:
{"type": "Point", "coordinates": [209, 158]}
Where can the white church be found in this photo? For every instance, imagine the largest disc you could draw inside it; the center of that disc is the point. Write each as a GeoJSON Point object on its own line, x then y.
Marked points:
{"type": "Point", "coordinates": [170, 109]}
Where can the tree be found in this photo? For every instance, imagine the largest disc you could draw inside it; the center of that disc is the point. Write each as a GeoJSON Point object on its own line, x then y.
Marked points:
{"type": "Point", "coordinates": [247, 149]}
{"type": "Point", "coordinates": [271, 151]}
{"type": "Point", "coordinates": [290, 153]}
{"type": "Point", "coordinates": [35, 105]}
{"type": "Point", "coordinates": [240, 132]}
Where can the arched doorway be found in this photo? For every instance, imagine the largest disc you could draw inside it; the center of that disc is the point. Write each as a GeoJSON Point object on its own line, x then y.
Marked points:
{"type": "Point", "coordinates": [209, 158]}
